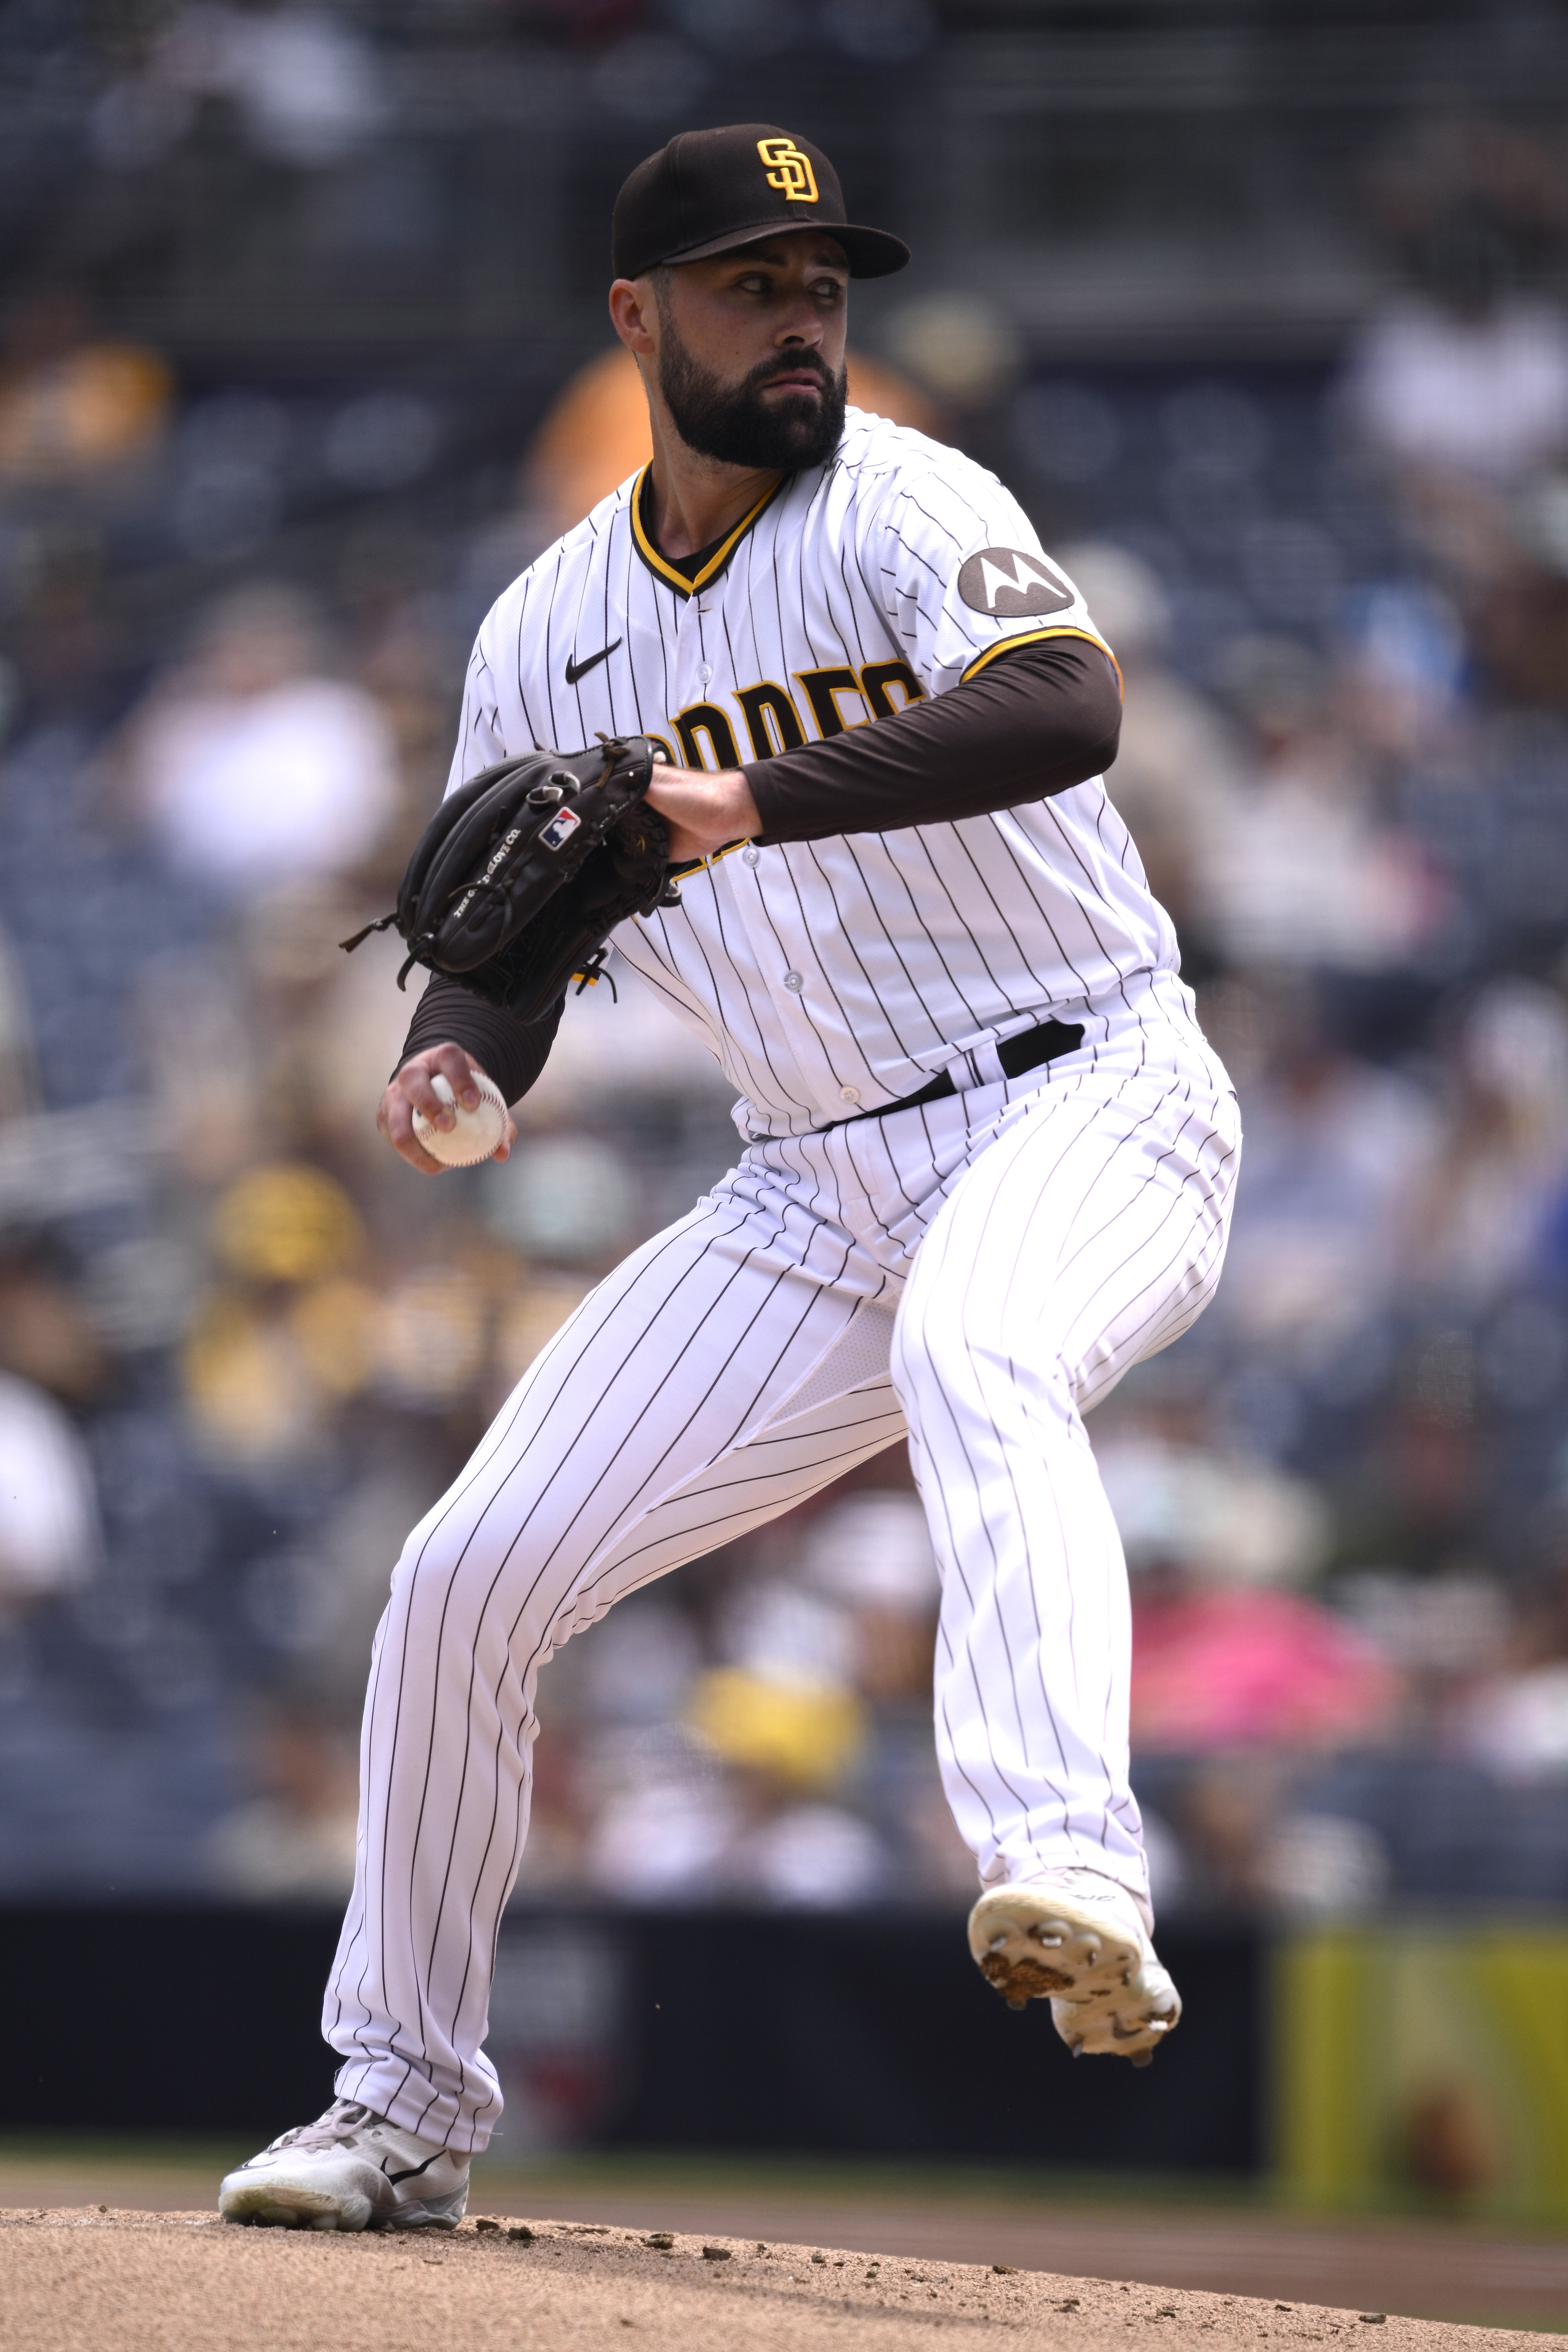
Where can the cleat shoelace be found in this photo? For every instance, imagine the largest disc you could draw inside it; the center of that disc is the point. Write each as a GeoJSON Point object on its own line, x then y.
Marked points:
{"type": "Point", "coordinates": [337, 2128]}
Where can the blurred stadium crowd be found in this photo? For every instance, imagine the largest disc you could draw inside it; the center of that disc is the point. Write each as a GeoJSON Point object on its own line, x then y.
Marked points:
{"type": "Point", "coordinates": [242, 1347]}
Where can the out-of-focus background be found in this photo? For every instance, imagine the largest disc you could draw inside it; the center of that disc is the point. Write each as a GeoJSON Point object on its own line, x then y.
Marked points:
{"type": "Point", "coordinates": [1260, 309]}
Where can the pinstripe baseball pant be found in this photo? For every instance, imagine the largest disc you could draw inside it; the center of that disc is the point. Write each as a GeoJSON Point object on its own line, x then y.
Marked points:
{"type": "Point", "coordinates": [975, 1274]}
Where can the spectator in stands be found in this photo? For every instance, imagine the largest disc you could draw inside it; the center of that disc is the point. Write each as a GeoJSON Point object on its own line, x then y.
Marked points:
{"type": "Point", "coordinates": [1306, 872]}
{"type": "Point", "coordinates": [1460, 387]}
{"type": "Point", "coordinates": [305, 86]}
{"type": "Point", "coordinates": [292, 1840]}
{"type": "Point", "coordinates": [76, 410]}
{"type": "Point", "coordinates": [1175, 779]}
{"type": "Point", "coordinates": [46, 1336]}
{"type": "Point", "coordinates": [1335, 1151]}
{"type": "Point", "coordinates": [1476, 1221]}
{"type": "Point", "coordinates": [1465, 375]}
{"type": "Point", "coordinates": [252, 764]}
{"type": "Point", "coordinates": [49, 1538]}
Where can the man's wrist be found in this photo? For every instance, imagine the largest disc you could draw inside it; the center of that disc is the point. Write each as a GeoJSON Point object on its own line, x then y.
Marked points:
{"type": "Point", "coordinates": [742, 807]}
{"type": "Point", "coordinates": [708, 810]}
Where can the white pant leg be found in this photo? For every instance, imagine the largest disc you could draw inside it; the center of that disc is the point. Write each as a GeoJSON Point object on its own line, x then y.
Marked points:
{"type": "Point", "coordinates": [732, 1367]}
{"type": "Point", "coordinates": [1087, 1235]}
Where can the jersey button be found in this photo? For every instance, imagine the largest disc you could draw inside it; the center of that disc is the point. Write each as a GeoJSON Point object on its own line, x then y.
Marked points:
{"type": "Point", "coordinates": [750, 856]}
{"type": "Point", "coordinates": [848, 1094]}
{"type": "Point", "coordinates": [705, 675]}
{"type": "Point", "coordinates": [792, 980]}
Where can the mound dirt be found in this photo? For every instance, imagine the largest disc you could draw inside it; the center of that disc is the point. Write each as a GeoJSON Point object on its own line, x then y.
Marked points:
{"type": "Point", "coordinates": [86, 2279]}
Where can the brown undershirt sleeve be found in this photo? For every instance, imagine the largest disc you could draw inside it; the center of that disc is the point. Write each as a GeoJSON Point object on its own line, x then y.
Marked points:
{"type": "Point", "coordinates": [513, 1052]}
{"type": "Point", "coordinates": [1031, 723]}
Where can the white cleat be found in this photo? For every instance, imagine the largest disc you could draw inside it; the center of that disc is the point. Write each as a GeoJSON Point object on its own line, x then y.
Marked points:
{"type": "Point", "coordinates": [350, 2169]}
{"type": "Point", "coordinates": [1077, 1939]}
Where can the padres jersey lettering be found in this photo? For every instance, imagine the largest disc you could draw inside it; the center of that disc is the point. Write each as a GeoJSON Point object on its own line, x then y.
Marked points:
{"type": "Point", "coordinates": [871, 962]}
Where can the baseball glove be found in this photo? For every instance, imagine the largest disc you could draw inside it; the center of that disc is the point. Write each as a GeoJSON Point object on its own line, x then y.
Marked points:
{"type": "Point", "coordinates": [523, 872]}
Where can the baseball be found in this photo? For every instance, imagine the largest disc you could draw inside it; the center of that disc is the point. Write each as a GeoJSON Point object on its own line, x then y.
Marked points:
{"type": "Point", "coordinates": [478, 1131]}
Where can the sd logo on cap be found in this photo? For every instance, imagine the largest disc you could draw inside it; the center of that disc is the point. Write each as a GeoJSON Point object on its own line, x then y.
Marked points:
{"type": "Point", "coordinates": [788, 170]}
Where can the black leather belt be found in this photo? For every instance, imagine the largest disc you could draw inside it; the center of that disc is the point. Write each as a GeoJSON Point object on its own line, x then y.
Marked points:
{"type": "Point", "coordinates": [1028, 1051]}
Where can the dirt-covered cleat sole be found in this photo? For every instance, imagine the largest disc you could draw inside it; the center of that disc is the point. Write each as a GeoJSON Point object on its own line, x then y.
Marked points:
{"type": "Point", "coordinates": [1088, 1954]}
{"type": "Point", "coordinates": [285, 2204]}
{"type": "Point", "coordinates": [290, 2205]}
{"type": "Point", "coordinates": [350, 2171]}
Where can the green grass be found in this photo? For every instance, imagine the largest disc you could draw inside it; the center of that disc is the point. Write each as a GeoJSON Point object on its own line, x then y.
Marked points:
{"type": "Point", "coordinates": [584, 2173]}
{"type": "Point", "coordinates": [127, 2151]}
{"type": "Point", "coordinates": [869, 2180]}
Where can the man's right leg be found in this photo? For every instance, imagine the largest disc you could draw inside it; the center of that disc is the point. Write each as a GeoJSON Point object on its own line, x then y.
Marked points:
{"type": "Point", "coordinates": [732, 1367]}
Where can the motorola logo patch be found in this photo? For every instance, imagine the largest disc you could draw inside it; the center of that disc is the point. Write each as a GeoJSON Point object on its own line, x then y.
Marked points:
{"type": "Point", "coordinates": [1009, 585]}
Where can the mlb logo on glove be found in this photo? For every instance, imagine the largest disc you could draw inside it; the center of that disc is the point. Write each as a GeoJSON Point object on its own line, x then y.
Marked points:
{"type": "Point", "coordinates": [559, 830]}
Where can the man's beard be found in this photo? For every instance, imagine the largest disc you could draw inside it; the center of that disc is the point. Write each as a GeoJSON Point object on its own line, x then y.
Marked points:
{"type": "Point", "coordinates": [733, 421]}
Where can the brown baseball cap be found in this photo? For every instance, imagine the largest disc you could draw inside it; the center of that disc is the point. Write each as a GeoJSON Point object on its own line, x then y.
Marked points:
{"type": "Point", "coordinates": [709, 191]}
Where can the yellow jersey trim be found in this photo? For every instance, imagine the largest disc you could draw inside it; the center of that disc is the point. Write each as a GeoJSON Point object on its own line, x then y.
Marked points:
{"type": "Point", "coordinates": [696, 864]}
{"type": "Point", "coordinates": [721, 555]}
{"type": "Point", "coordinates": [1033, 636]}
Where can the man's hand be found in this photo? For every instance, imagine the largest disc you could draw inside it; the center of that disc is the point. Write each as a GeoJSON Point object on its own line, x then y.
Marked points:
{"type": "Point", "coordinates": [703, 811]}
{"type": "Point", "coordinates": [411, 1090]}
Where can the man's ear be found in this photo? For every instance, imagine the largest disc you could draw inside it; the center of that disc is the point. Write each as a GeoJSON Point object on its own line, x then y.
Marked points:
{"type": "Point", "coordinates": [631, 307]}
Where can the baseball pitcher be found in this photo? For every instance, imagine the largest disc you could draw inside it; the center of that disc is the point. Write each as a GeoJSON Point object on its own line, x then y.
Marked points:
{"type": "Point", "coordinates": [814, 730]}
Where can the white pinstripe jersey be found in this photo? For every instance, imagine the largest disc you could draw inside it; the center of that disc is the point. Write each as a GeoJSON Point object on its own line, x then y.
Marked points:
{"type": "Point", "coordinates": [839, 975]}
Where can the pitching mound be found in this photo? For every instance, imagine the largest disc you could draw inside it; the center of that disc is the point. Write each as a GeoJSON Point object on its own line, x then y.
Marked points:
{"type": "Point", "coordinates": [91, 2280]}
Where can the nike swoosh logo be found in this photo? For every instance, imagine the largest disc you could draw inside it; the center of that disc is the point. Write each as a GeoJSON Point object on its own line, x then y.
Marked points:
{"type": "Point", "coordinates": [414, 2170]}
{"type": "Point", "coordinates": [575, 670]}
